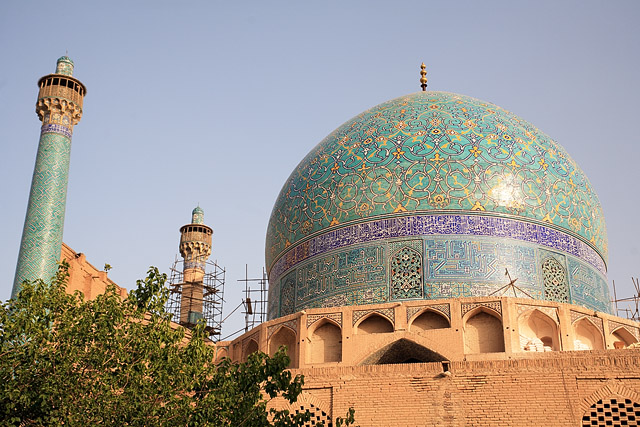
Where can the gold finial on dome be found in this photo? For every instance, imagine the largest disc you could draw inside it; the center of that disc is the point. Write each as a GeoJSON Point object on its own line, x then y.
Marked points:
{"type": "Point", "coordinates": [423, 79]}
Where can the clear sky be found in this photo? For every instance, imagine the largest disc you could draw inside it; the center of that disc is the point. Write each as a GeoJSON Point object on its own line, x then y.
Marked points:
{"type": "Point", "coordinates": [215, 102]}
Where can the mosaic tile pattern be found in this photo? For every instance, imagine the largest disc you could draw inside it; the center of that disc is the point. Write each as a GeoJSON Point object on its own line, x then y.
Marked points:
{"type": "Point", "coordinates": [494, 305]}
{"type": "Point", "coordinates": [399, 288]}
{"type": "Point", "coordinates": [597, 322]}
{"type": "Point", "coordinates": [245, 343]}
{"type": "Point", "coordinates": [41, 242]}
{"type": "Point", "coordinates": [470, 187]}
{"type": "Point", "coordinates": [291, 324]}
{"type": "Point", "coordinates": [313, 318]}
{"type": "Point", "coordinates": [406, 274]}
{"type": "Point", "coordinates": [554, 277]}
{"type": "Point", "coordinates": [388, 313]}
{"type": "Point", "coordinates": [64, 66]}
{"type": "Point", "coordinates": [442, 308]}
{"type": "Point", "coordinates": [588, 288]}
{"type": "Point", "coordinates": [433, 225]}
{"type": "Point", "coordinates": [455, 266]}
{"type": "Point", "coordinates": [42, 234]}
{"type": "Point", "coordinates": [55, 128]}
{"type": "Point", "coordinates": [575, 315]}
{"type": "Point", "coordinates": [197, 215]}
{"type": "Point", "coordinates": [459, 267]}
{"type": "Point", "coordinates": [615, 325]}
{"type": "Point", "coordinates": [358, 267]}
{"type": "Point", "coordinates": [480, 260]}
{"type": "Point", "coordinates": [287, 294]}
{"type": "Point", "coordinates": [552, 312]}
{"type": "Point", "coordinates": [434, 151]}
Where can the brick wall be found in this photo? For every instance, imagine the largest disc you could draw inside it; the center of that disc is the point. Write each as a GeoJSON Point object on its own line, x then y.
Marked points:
{"type": "Point", "coordinates": [552, 389]}
{"type": "Point", "coordinates": [84, 277]}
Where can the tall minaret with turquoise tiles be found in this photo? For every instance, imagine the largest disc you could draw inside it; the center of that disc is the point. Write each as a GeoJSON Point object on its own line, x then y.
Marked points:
{"type": "Point", "coordinates": [59, 108]}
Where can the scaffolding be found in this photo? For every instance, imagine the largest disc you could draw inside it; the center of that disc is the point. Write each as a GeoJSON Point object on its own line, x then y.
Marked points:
{"type": "Point", "coordinates": [628, 307]}
{"type": "Point", "coordinates": [255, 299]}
{"type": "Point", "coordinates": [207, 294]}
{"type": "Point", "coordinates": [511, 287]}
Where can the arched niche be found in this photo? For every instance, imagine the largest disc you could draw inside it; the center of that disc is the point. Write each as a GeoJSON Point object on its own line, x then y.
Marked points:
{"type": "Point", "coordinates": [250, 348]}
{"type": "Point", "coordinates": [483, 332]}
{"type": "Point", "coordinates": [538, 332]}
{"type": "Point", "coordinates": [221, 354]}
{"type": "Point", "coordinates": [622, 338]}
{"type": "Point", "coordinates": [403, 351]}
{"type": "Point", "coordinates": [428, 320]}
{"type": "Point", "coordinates": [374, 324]}
{"type": "Point", "coordinates": [587, 336]}
{"type": "Point", "coordinates": [325, 343]}
{"type": "Point", "coordinates": [285, 337]}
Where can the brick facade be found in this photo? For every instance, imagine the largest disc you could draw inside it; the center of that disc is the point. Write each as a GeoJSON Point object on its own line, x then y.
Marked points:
{"type": "Point", "coordinates": [552, 389]}
{"type": "Point", "coordinates": [458, 362]}
{"type": "Point", "coordinates": [84, 277]}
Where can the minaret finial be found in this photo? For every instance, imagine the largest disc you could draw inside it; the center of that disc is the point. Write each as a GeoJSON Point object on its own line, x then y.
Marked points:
{"type": "Point", "coordinates": [423, 78]}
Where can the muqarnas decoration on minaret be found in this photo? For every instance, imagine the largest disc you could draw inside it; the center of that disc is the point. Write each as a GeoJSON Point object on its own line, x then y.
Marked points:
{"type": "Point", "coordinates": [59, 107]}
{"type": "Point", "coordinates": [195, 248]}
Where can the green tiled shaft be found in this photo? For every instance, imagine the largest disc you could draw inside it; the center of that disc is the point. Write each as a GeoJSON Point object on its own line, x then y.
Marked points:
{"type": "Point", "coordinates": [42, 234]}
{"type": "Point", "coordinates": [59, 107]}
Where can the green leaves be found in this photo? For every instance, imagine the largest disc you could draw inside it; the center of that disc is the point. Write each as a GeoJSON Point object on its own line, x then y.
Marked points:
{"type": "Point", "coordinates": [114, 361]}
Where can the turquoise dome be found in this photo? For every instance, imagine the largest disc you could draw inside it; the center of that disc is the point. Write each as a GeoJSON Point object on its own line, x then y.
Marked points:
{"type": "Point", "coordinates": [442, 158]}
{"type": "Point", "coordinates": [197, 215]}
{"type": "Point", "coordinates": [64, 66]}
{"type": "Point", "coordinates": [65, 59]}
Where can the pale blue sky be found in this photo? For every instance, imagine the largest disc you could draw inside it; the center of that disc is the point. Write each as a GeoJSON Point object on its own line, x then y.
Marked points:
{"type": "Point", "coordinates": [216, 102]}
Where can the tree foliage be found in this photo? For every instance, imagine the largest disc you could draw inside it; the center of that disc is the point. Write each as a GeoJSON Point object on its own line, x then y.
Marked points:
{"type": "Point", "coordinates": [113, 361]}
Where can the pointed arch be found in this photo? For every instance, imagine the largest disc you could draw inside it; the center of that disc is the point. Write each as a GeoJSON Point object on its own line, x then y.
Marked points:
{"type": "Point", "coordinates": [221, 353]}
{"type": "Point", "coordinates": [402, 351]}
{"type": "Point", "coordinates": [325, 342]}
{"type": "Point", "coordinates": [287, 337]}
{"type": "Point", "coordinates": [538, 331]}
{"type": "Point", "coordinates": [428, 319]}
{"type": "Point", "coordinates": [587, 335]}
{"type": "Point", "coordinates": [249, 348]}
{"type": "Point", "coordinates": [374, 323]}
{"type": "Point", "coordinates": [622, 337]}
{"type": "Point", "coordinates": [483, 332]}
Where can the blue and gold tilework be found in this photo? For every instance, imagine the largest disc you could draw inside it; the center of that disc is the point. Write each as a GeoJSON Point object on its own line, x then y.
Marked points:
{"type": "Point", "coordinates": [479, 188]}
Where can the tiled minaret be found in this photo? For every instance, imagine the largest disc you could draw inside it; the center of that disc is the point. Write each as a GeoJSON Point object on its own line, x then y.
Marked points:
{"type": "Point", "coordinates": [59, 107]}
{"type": "Point", "coordinates": [195, 248]}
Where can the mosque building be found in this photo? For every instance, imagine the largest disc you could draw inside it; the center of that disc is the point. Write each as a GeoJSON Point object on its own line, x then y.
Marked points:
{"type": "Point", "coordinates": [439, 261]}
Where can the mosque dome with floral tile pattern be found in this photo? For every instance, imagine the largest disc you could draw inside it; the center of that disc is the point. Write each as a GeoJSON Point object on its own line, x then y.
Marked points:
{"type": "Point", "coordinates": [435, 195]}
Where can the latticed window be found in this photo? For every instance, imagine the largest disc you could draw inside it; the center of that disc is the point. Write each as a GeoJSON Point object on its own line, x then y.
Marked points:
{"type": "Point", "coordinates": [612, 412]}
{"type": "Point", "coordinates": [406, 274]}
{"type": "Point", "coordinates": [318, 416]}
{"type": "Point", "coordinates": [556, 287]}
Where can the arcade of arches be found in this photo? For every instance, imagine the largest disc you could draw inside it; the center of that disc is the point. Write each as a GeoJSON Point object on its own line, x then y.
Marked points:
{"type": "Point", "coordinates": [470, 349]}
{"type": "Point", "coordinates": [443, 330]}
